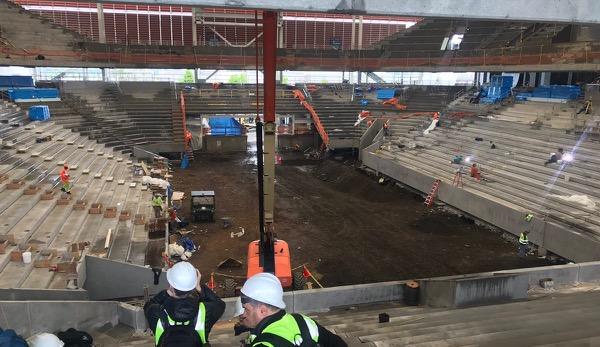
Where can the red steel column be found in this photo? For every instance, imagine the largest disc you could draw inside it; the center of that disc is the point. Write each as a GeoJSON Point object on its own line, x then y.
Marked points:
{"type": "Point", "coordinates": [269, 69]}
{"type": "Point", "coordinates": [269, 63]}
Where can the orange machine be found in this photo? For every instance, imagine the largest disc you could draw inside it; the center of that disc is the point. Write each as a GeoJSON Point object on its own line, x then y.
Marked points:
{"type": "Point", "coordinates": [282, 262]}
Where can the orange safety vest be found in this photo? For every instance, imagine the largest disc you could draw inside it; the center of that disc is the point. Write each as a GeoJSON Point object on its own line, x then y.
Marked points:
{"type": "Point", "coordinates": [64, 175]}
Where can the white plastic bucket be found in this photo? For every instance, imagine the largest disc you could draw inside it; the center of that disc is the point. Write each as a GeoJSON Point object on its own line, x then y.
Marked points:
{"type": "Point", "coordinates": [27, 257]}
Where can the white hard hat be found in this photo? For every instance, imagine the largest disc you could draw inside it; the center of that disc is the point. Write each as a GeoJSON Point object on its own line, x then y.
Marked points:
{"type": "Point", "coordinates": [239, 309]}
{"type": "Point", "coordinates": [266, 288]}
{"type": "Point", "coordinates": [182, 276]}
{"type": "Point", "coordinates": [45, 340]}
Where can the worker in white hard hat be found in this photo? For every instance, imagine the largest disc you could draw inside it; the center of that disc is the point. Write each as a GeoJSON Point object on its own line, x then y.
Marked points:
{"type": "Point", "coordinates": [184, 314]}
{"type": "Point", "coordinates": [264, 313]}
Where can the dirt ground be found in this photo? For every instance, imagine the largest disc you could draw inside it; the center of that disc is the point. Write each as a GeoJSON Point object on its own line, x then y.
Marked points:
{"type": "Point", "coordinates": [340, 222]}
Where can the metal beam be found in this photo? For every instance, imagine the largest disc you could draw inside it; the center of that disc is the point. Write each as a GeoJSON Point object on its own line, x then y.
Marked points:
{"type": "Point", "coordinates": [564, 11]}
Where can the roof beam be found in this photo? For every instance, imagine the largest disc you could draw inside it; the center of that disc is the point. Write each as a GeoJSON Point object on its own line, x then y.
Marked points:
{"type": "Point", "coordinates": [563, 11]}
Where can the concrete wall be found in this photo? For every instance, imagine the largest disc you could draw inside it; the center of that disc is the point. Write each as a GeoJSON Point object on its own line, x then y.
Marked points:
{"type": "Point", "coordinates": [163, 147]}
{"type": "Point", "coordinates": [31, 317]}
{"type": "Point", "coordinates": [304, 141]}
{"type": "Point", "coordinates": [373, 133]}
{"type": "Point", "coordinates": [474, 290]}
{"type": "Point", "coordinates": [108, 279]}
{"type": "Point", "coordinates": [545, 233]}
{"type": "Point", "coordinates": [224, 144]}
{"type": "Point", "coordinates": [42, 294]}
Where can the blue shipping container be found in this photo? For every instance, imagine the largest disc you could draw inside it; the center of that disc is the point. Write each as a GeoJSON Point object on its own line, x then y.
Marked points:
{"type": "Point", "coordinates": [224, 126]}
{"type": "Point", "coordinates": [7, 82]}
{"type": "Point", "coordinates": [385, 94]}
{"type": "Point", "coordinates": [33, 94]}
{"type": "Point", "coordinates": [39, 113]}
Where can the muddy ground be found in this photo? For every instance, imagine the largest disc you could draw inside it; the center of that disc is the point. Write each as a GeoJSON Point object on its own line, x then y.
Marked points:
{"type": "Point", "coordinates": [339, 221]}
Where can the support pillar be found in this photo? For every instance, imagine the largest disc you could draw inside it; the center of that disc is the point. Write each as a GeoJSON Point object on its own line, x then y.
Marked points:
{"type": "Point", "coordinates": [269, 69]}
{"type": "Point", "coordinates": [570, 77]}
{"type": "Point", "coordinates": [280, 37]}
{"type": "Point", "coordinates": [196, 75]}
{"type": "Point", "coordinates": [101, 28]}
{"type": "Point", "coordinates": [360, 31]}
{"type": "Point", "coordinates": [103, 74]}
{"type": "Point", "coordinates": [194, 28]}
{"type": "Point", "coordinates": [545, 78]}
{"type": "Point", "coordinates": [353, 37]}
{"type": "Point", "coordinates": [359, 79]}
{"type": "Point", "coordinates": [532, 78]}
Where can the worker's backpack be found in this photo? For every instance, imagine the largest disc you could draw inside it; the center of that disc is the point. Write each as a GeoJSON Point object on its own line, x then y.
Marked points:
{"type": "Point", "coordinates": [180, 335]}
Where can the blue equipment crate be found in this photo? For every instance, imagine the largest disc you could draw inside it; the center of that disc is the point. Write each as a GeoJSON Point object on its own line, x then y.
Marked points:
{"type": "Point", "coordinates": [39, 113]}
{"type": "Point", "coordinates": [385, 94]}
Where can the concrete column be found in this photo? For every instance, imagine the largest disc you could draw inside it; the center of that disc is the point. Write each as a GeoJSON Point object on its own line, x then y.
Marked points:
{"type": "Point", "coordinates": [360, 31]}
{"type": "Point", "coordinates": [545, 78]}
{"type": "Point", "coordinates": [280, 76]}
{"type": "Point", "coordinates": [103, 74]}
{"type": "Point", "coordinates": [194, 28]}
{"type": "Point", "coordinates": [101, 28]}
{"type": "Point", "coordinates": [353, 38]}
{"type": "Point", "coordinates": [570, 77]}
{"type": "Point", "coordinates": [359, 79]}
{"type": "Point", "coordinates": [476, 79]}
{"type": "Point", "coordinates": [280, 36]}
{"type": "Point", "coordinates": [532, 77]}
{"type": "Point", "coordinates": [196, 75]}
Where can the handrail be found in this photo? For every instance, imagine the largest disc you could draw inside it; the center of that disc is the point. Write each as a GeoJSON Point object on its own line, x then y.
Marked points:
{"type": "Point", "coordinates": [320, 129]}
{"type": "Point", "coordinates": [317, 121]}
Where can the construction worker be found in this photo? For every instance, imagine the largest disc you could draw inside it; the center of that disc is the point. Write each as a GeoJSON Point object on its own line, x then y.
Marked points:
{"type": "Point", "coordinates": [523, 244]}
{"type": "Point", "coordinates": [475, 172]}
{"type": "Point", "coordinates": [157, 205]}
{"type": "Point", "coordinates": [184, 314]}
{"type": "Point", "coordinates": [65, 179]}
{"type": "Point", "coordinates": [262, 300]}
{"type": "Point", "coordinates": [555, 157]}
{"type": "Point", "coordinates": [386, 128]}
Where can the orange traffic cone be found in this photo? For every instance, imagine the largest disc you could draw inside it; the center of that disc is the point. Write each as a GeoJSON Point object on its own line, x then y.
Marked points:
{"type": "Point", "coordinates": [211, 283]}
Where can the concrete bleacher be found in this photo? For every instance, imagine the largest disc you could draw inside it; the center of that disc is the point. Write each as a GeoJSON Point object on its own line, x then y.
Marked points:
{"type": "Point", "coordinates": [121, 120]}
{"type": "Point", "coordinates": [58, 228]}
{"type": "Point", "coordinates": [554, 319]}
{"type": "Point", "coordinates": [554, 115]}
{"type": "Point", "coordinates": [514, 174]}
{"type": "Point", "coordinates": [339, 112]}
{"type": "Point", "coordinates": [32, 32]}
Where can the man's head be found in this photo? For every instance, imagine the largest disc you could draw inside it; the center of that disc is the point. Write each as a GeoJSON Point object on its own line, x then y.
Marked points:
{"type": "Point", "coordinates": [560, 150]}
{"type": "Point", "coordinates": [526, 232]}
{"type": "Point", "coordinates": [262, 296]}
{"type": "Point", "coordinates": [65, 166]}
{"type": "Point", "coordinates": [182, 278]}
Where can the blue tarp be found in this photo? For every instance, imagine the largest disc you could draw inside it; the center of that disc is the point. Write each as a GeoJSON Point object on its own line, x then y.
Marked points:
{"type": "Point", "coordinates": [553, 92]}
{"type": "Point", "coordinates": [8, 82]}
{"type": "Point", "coordinates": [40, 112]}
{"type": "Point", "coordinates": [500, 87]}
{"type": "Point", "coordinates": [385, 94]}
{"type": "Point", "coordinates": [224, 126]}
{"type": "Point", "coordinates": [25, 94]}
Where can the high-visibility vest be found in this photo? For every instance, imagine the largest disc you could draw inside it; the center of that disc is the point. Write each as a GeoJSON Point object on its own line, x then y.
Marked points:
{"type": "Point", "coordinates": [199, 326]}
{"type": "Point", "coordinates": [523, 239]}
{"type": "Point", "coordinates": [157, 201]}
{"type": "Point", "coordinates": [64, 175]}
{"type": "Point", "coordinates": [287, 329]}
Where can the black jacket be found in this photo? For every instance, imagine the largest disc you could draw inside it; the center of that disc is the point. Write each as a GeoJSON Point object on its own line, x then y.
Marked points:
{"type": "Point", "coordinates": [326, 337]}
{"type": "Point", "coordinates": [185, 309]}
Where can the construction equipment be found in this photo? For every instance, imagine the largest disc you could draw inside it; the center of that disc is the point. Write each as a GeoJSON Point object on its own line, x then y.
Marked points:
{"type": "Point", "coordinates": [432, 193]}
{"type": "Point", "coordinates": [268, 254]}
{"type": "Point", "coordinates": [203, 206]}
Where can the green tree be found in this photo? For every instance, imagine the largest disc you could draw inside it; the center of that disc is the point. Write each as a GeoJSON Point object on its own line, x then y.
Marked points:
{"type": "Point", "coordinates": [188, 77]}
{"type": "Point", "coordinates": [285, 80]}
{"type": "Point", "coordinates": [238, 79]}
